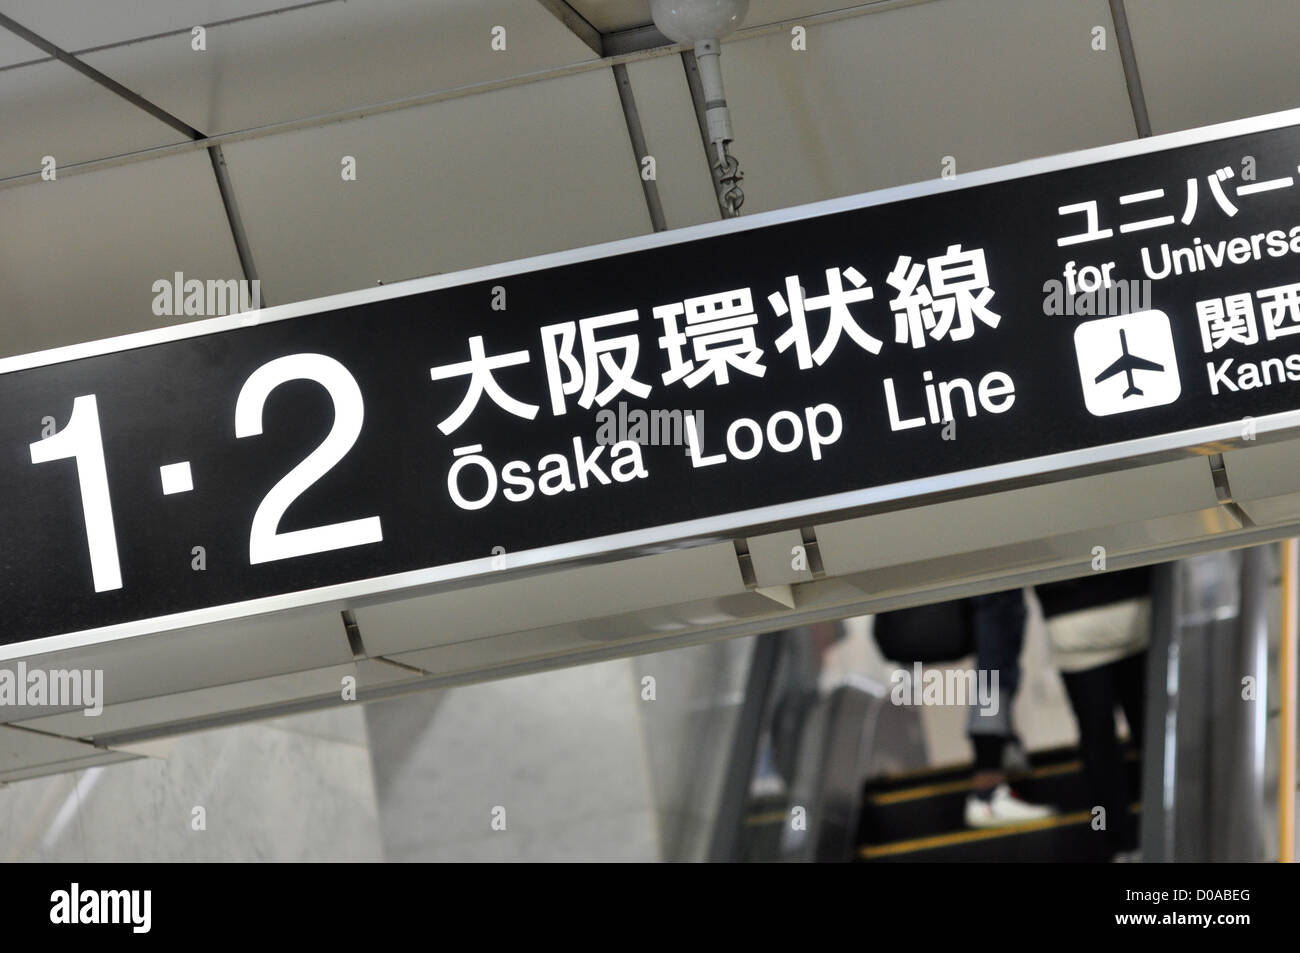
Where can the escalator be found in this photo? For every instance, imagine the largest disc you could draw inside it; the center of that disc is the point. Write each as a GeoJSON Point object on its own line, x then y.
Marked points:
{"type": "Point", "coordinates": [839, 773]}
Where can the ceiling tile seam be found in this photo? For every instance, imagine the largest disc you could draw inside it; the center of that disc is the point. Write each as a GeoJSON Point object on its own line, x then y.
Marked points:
{"type": "Point", "coordinates": [292, 8]}
{"type": "Point", "coordinates": [224, 185]}
{"type": "Point", "coordinates": [243, 249]}
{"type": "Point", "coordinates": [1132, 78]}
{"type": "Point", "coordinates": [94, 75]}
{"type": "Point", "coordinates": [50, 735]}
{"type": "Point", "coordinates": [640, 150]}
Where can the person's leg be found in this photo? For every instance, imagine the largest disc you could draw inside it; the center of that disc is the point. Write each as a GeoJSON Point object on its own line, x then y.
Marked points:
{"type": "Point", "coordinates": [1132, 697]}
{"type": "Point", "coordinates": [1093, 696]}
{"type": "Point", "coordinates": [998, 623]}
{"type": "Point", "coordinates": [998, 631]}
{"type": "Point", "coordinates": [1132, 694]}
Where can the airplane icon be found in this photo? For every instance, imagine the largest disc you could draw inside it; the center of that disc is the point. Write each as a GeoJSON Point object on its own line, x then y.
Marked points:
{"type": "Point", "coordinates": [1145, 333]}
{"type": "Point", "coordinates": [1128, 363]}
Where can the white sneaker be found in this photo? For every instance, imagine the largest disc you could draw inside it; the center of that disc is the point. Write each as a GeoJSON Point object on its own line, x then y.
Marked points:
{"type": "Point", "coordinates": [1002, 809]}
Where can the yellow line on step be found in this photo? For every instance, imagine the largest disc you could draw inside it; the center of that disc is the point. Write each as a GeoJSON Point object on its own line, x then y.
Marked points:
{"type": "Point", "coordinates": [967, 837]}
{"type": "Point", "coordinates": [965, 784]}
{"type": "Point", "coordinates": [984, 833]}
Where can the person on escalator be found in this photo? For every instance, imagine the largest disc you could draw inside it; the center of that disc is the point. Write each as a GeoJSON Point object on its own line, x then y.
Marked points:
{"type": "Point", "coordinates": [997, 622]}
{"type": "Point", "coordinates": [1098, 627]}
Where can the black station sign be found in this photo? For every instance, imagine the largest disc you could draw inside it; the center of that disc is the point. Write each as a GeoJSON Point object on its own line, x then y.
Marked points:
{"type": "Point", "coordinates": [754, 374]}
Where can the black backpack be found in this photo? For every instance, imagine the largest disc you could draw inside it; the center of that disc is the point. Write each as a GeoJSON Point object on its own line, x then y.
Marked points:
{"type": "Point", "coordinates": [940, 632]}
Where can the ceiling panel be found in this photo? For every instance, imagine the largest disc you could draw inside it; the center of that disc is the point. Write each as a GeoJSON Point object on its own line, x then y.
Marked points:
{"type": "Point", "coordinates": [1012, 516]}
{"type": "Point", "coordinates": [21, 751]}
{"type": "Point", "coordinates": [50, 109]}
{"type": "Point", "coordinates": [79, 24]}
{"type": "Point", "coordinates": [79, 256]}
{"type": "Point", "coordinates": [610, 16]}
{"type": "Point", "coordinates": [471, 181]}
{"type": "Point", "coordinates": [332, 57]}
{"type": "Point", "coordinates": [13, 50]}
{"type": "Point", "coordinates": [672, 136]}
{"type": "Point", "coordinates": [98, 757]}
{"type": "Point", "coordinates": [879, 100]}
{"type": "Point", "coordinates": [1265, 481]}
{"type": "Point", "coordinates": [1205, 61]}
{"type": "Point", "coordinates": [571, 596]}
{"type": "Point", "coordinates": [185, 660]}
{"type": "Point", "coordinates": [317, 684]}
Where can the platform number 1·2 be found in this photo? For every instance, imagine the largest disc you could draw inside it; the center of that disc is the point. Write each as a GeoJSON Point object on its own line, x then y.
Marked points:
{"type": "Point", "coordinates": [81, 440]}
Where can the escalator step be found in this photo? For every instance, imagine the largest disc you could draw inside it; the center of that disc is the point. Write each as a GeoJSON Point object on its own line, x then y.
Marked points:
{"type": "Point", "coordinates": [1066, 837]}
{"type": "Point", "coordinates": [933, 809]}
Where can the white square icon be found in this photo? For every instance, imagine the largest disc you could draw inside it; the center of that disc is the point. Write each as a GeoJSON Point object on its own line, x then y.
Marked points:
{"type": "Point", "coordinates": [176, 478]}
{"type": "Point", "coordinates": [1127, 363]}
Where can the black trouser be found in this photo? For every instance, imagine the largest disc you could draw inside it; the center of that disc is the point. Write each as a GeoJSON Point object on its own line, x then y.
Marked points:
{"type": "Point", "coordinates": [998, 630]}
{"type": "Point", "coordinates": [1094, 695]}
